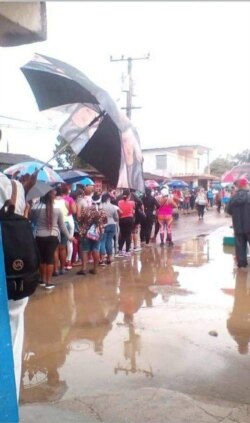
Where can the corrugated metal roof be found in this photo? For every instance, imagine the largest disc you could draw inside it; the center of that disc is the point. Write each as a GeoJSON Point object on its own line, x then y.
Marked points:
{"type": "Point", "coordinates": [9, 159]}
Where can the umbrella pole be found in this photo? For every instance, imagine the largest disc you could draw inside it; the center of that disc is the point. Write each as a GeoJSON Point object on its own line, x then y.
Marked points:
{"type": "Point", "coordinates": [103, 113]}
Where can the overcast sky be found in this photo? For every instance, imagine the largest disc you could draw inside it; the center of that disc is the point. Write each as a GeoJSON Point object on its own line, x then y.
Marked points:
{"type": "Point", "coordinates": [194, 89]}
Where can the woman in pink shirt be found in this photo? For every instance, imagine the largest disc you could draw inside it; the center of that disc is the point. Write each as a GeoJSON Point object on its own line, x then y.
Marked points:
{"type": "Point", "coordinates": [126, 221]}
{"type": "Point", "coordinates": [165, 217]}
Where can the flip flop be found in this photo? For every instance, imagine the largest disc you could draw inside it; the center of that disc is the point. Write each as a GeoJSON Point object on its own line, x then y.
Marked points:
{"type": "Point", "coordinates": [81, 272]}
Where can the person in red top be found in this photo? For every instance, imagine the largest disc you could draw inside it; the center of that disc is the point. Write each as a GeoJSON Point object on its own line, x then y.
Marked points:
{"type": "Point", "coordinates": [126, 221]}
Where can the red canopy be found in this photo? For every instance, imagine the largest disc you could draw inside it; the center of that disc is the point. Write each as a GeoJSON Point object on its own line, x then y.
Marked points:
{"type": "Point", "coordinates": [240, 171]}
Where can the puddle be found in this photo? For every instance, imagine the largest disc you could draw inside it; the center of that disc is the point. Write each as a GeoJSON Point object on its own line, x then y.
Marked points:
{"type": "Point", "coordinates": [143, 321]}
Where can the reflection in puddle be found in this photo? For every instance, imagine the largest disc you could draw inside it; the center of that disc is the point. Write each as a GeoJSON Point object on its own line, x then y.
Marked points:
{"type": "Point", "coordinates": [238, 324]}
{"type": "Point", "coordinates": [91, 332]}
{"type": "Point", "coordinates": [131, 351]}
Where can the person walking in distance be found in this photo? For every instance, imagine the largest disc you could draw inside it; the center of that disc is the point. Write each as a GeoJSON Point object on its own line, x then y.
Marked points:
{"type": "Point", "coordinates": [201, 202]}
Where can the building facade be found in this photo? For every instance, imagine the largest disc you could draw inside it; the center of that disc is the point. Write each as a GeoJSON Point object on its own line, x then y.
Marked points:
{"type": "Point", "coordinates": [186, 162]}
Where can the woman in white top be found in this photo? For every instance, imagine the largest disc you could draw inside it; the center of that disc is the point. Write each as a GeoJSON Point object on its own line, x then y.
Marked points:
{"type": "Point", "coordinates": [201, 202]}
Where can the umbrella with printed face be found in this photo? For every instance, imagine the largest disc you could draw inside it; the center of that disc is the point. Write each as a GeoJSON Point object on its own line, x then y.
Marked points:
{"type": "Point", "coordinates": [89, 120]}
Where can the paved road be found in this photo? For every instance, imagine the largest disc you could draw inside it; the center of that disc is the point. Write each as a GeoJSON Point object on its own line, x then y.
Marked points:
{"type": "Point", "coordinates": [159, 337]}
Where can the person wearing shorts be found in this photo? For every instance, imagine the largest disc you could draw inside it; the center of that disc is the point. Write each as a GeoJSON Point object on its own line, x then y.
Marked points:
{"type": "Point", "coordinates": [165, 218]}
{"type": "Point", "coordinates": [88, 216]}
{"type": "Point", "coordinates": [49, 223]}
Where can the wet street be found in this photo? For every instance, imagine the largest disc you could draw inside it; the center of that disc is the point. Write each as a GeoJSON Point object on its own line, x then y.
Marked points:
{"type": "Point", "coordinates": [176, 320]}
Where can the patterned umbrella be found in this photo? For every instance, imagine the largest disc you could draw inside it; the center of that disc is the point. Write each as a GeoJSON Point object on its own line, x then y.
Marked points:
{"type": "Point", "coordinates": [73, 175]}
{"type": "Point", "coordinates": [151, 183]}
{"type": "Point", "coordinates": [237, 172]}
{"type": "Point", "coordinates": [46, 174]}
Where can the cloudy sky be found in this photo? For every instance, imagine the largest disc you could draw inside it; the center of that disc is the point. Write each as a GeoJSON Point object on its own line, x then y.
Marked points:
{"type": "Point", "coordinates": [194, 89]}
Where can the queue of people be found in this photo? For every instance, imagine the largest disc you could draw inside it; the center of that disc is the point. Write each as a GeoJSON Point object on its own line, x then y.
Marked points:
{"type": "Point", "coordinates": [75, 228]}
{"type": "Point", "coordinates": [87, 226]}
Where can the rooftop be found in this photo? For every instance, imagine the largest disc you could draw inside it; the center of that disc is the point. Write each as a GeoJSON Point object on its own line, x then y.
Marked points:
{"type": "Point", "coordinates": [9, 159]}
{"type": "Point", "coordinates": [201, 148]}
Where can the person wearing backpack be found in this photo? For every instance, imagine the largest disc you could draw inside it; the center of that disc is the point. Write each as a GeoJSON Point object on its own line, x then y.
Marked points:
{"type": "Point", "coordinates": [16, 308]}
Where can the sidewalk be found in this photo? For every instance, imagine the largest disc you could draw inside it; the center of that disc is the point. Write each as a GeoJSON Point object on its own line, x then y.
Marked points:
{"type": "Point", "coordinates": [138, 406]}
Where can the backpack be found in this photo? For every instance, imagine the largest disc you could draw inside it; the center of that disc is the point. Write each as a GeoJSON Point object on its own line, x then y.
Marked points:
{"type": "Point", "coordinates": [21, 256]}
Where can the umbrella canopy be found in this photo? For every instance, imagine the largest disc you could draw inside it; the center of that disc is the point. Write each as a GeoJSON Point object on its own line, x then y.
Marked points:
{"type": "Point", "coordinates": [175, 183]}
{"type": "Point", "coordinates": [93, 125]}
{"type": "Point", "coordinates": [46, 174]}
{"type": "Point", "coordinates": [237, 172]}
{"type": "Point", "coordinates": [85, 181]}
{"type": "Point", "coordinates": [72, 176]}
{"type": "Point", "coordinates": [151, 183]}
{"type": "Point", "coordinates": [38, 190]}
{"type": "Point", "coordinates": [228, 291]}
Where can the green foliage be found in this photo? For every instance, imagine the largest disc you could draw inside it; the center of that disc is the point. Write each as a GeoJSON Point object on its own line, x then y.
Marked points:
{"type": "Point", "coordinates": [243, 157]}
{"type": "Point", "coordinates": [220, 166]}
{"type": "Point", "coordinates": [67, 159]}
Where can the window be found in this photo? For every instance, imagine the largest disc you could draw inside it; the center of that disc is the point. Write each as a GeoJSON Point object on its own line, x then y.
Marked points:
{"type": "Point", "coordinates": [161, 161]}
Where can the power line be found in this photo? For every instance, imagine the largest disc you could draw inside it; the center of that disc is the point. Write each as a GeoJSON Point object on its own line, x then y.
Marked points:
{"type": "Point", "coordinates": [36, 125]}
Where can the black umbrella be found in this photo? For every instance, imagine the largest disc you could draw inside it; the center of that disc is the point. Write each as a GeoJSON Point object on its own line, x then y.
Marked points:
{"type": "Point", "coordinates": [72, 175]}
{"type": "Point", "coordinates": [95, 128]}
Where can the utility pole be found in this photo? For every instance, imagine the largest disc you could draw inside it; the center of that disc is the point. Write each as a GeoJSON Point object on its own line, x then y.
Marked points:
{"type": "Point", "coordinates": [129, 91]}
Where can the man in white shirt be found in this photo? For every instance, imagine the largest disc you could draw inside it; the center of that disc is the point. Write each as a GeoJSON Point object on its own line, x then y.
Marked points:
{"type": "Point", "coordinates": [16, 308]}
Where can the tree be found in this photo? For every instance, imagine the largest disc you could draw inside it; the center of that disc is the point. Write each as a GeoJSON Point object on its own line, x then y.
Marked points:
{"type": "Point", "coordinates": [68, 159]}
{"type": "Point", "coordinates": [243, 157]}
{"type": "Point", "coordinates": [220, 166]}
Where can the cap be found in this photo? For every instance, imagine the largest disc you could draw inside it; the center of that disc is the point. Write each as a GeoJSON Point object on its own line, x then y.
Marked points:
{"type": "Point", "coordinates": [165, 192]}
{"type": "Point", "coordinates": [243, 182]}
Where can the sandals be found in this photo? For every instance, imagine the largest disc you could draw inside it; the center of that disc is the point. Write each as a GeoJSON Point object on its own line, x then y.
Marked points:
{"type": "Point", "coordinates": [81, 272]}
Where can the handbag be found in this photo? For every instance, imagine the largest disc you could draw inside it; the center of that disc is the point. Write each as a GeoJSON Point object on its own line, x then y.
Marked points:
{"type": "Point", "coordinates": [93, 233]}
